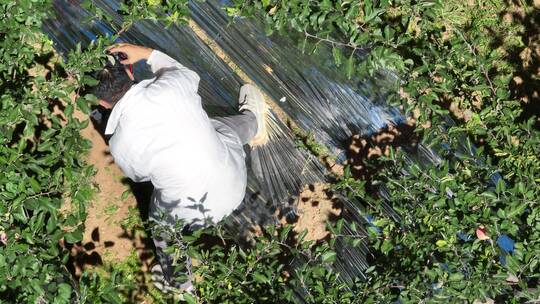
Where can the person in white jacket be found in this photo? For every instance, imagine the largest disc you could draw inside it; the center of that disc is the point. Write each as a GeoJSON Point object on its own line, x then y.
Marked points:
{"type": "Point", "coordinates": [160, 133]}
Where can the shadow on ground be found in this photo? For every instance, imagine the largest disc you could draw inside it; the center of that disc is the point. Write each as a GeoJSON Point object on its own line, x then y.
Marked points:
{"type": "Point", "coordinates": [525, 85]}
{"type": "Point", "coordinates": [364, 151]}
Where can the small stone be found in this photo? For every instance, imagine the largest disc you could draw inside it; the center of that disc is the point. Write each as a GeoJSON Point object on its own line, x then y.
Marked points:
{"type": "Point", "coordinates": [512, 278]}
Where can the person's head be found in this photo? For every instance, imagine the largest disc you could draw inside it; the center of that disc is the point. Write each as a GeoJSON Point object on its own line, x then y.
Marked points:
{"type": "Point", "coordinates": [114, 81]}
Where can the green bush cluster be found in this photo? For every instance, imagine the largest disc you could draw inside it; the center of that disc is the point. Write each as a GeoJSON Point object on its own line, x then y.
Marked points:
{"type": "Point", "coordinates": [464, 235]}
{"type": "Point", "coordinates": [277, 265]}
{"type": "Point", "coordinates": [44, 184]}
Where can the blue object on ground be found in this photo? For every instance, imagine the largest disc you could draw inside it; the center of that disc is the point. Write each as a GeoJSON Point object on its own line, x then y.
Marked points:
{"type": "Point", "coordinates": [463, 236]}
{"type": "Point", "coordinates": [506, 243]}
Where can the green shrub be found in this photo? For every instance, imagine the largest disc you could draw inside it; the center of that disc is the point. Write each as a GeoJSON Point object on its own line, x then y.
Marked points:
{"type": "Point", "coordinates": [277, 266]}
{"type": "Point", "coordinates": [454, 58]}
{"type": "Point", "coordinates": [44, 184]}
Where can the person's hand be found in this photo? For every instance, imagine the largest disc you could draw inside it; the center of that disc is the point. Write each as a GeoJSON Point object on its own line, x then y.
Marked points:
{"type": "Point", "coordinates": [133, 52]}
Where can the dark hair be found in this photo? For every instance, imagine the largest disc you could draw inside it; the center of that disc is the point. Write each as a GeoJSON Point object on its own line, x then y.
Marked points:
{"type": "Point", "coordinates": [114, 82]}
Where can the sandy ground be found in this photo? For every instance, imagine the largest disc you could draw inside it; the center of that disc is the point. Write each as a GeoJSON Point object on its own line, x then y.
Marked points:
{"type": "Point", "coordinates": [105, 240]}
{"type": "Point", "coordinates": [316, 205]}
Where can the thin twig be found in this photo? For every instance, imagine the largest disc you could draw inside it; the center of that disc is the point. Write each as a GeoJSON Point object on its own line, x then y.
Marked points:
{"type": "Point", "coordinates": [48, 193]}
{"type": "Point", "coordinates": [332, 42]}
{"type": "Point", "coordinates": [124, 28]}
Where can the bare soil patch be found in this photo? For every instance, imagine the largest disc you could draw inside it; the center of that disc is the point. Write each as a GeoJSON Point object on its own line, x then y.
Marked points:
{"type": "Point", "coordinates": [316, 205]}
{"type": "Point", "coordinates": [105, 239]}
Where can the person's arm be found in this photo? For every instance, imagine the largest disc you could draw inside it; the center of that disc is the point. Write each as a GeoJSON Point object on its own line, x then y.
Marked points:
{"type": "Point", "coordinates": [161, 64]}
{"type": "Point", "coordinates": [134, 53]}
{"type": "Point", "coordinates": [165, 66]}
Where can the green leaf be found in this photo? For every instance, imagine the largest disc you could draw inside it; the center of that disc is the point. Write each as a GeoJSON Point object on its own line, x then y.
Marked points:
{"type": "Point", "coordinates": [519, 209]}
{"type": "Point", "coordinates": [125, 194]}
{"type": "Point", "coordinates": [91, 98]}
{"type": "Point", "coordinates": [64, 293]}
{"type": "Point", "coordinates": [338, 56]}
{"type": "Point", "coordinates": [458, 276]}
{"type": "Point", "coordinates": [89, 80]}
{"type": "Point", "coordinates": [260, 278]}
{"type": "Point", "coordinates": [350, 66]}
{"type": "Point", "coordinates": [83, 105]}
{"type": "Point", "coordinates": [328, 257]}
{"type": "Point", "coordinates": [189, 298]}
{"type": "Point", "coordinates": [34, 184]}
{"type": "Point", "coordinates": [441, 243]}
{"type": "Point", "coordinates": [386, 246]}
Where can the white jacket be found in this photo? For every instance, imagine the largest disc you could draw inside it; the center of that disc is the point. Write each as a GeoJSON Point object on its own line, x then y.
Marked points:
{"type": "Point", "coordinates": [162, 134]}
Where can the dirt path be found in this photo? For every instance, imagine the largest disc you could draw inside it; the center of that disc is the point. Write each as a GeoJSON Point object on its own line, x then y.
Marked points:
{"type": "Point", "coordinates": [111, 214]}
